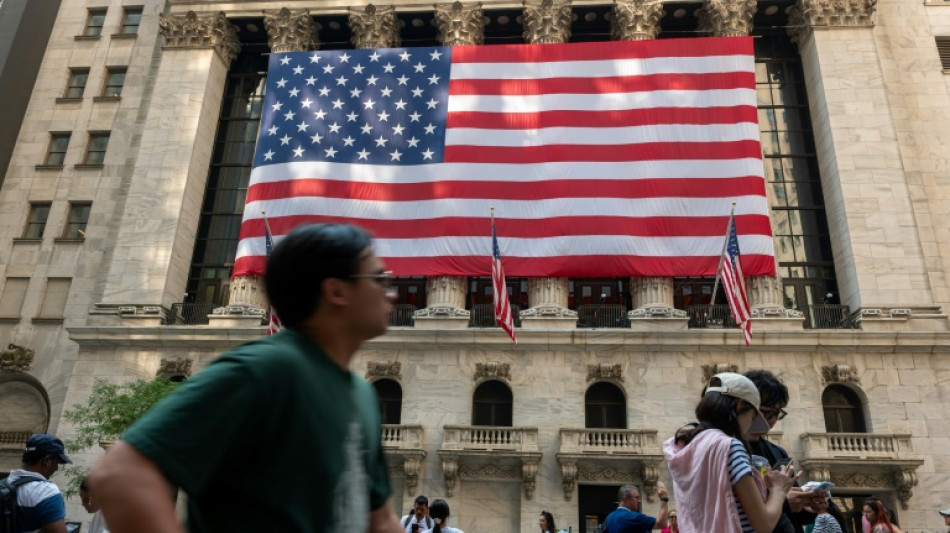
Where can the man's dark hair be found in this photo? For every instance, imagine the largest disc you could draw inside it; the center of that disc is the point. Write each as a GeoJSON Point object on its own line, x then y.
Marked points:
{"type": "Point", "coordinates": [772, 391]}
{"type": "Point", "coordinates": [33, 457]}
{"type": "Point", "coordinates": [303, 259]}
{"type": "Point", "coordinates": [84, 485]}
{"type": "Point", "coordinates": [422, 500]}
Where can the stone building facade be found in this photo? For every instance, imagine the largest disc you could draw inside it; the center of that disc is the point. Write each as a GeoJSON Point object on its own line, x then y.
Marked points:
{"type": "Point", "coordinates": [117, 227]}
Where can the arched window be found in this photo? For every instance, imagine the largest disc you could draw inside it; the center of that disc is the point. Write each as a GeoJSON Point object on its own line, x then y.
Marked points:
{"type": "Point", "coordinates": [492, 404]}
{"type": "Point", "coordinates": [843, 412]}
{"type": "Point", "coordinates": [605, 407]}
{"type": "Point", "coordinates": [390, 400]}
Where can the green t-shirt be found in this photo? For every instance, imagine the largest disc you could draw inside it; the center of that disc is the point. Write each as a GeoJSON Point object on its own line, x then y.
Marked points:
{"type": "Point", "coordinates": [271, 436]}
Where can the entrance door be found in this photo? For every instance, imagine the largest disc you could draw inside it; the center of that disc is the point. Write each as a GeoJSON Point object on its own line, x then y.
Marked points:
{"type": "Point", "coordinates": [594, 503]}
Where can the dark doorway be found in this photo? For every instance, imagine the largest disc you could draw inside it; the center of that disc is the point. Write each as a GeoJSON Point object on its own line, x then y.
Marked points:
{"type": "Point", "coordinates": [594, 503]}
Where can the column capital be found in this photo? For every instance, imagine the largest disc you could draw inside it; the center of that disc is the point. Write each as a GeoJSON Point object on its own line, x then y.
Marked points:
{"type": "Point", "coordinates": [727, 18]}
{"type": "Point", "coordinates": [191, 31]}
{"type": "Point", "coordinates": [374, 27]}
{"type": "Point", "coordinates": [290, 30]}
{"type": "Point", "coordinates": [806, 15]}
{"type": "Point", "coordinates": [636, 20]}
{"type": "Point", "coordinates": [460, 23]}
{"type": "Point", "coordinates": [547, 21]}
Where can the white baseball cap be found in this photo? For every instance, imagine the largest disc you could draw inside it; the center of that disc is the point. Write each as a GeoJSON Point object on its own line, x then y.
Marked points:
{"type": "Point", "coordinates": [739, 386]}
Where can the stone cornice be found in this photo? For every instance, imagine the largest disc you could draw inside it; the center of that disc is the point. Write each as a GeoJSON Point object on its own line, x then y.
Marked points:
{"type": "Point", "coordinates": [290, 31]}
{"type": "Point", "coordinates": [193, 31]}
{"type": "Point", "coordinates": [808, 15]}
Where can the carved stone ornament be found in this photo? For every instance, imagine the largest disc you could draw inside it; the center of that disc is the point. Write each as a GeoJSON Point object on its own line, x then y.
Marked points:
{"type": "Point", "coordinates": [548, 299]}
{"type": "Point", "coordinates": [651, 476]}
{"type": "Point", "coordinates": [839, 374]}
{"type": "Point", "coordinates": [460, 23]}
{"type": "Point", "coordinates": [726, 18]}
{"type": "Point", "coordinates": [16, 358]}
{"type": "Point", "coordinates": [170, 368]}
{"type": "Point", "coordinates": [568, 478]}
{"type": "Point", "coordinates": [547, 21]}
{"type": "Point", "coordinates": [605, 474]}
{"type": "Point", "coordinates": [206, 31]}
{"type": "Point", "coordinates": [492, 370]}
{"type": "Point", "coordinates": [529, 474]}
{"type": "Point", "coordinates": [384, 369]}
{"type": "Point", "coordinates": [450, 471]}
{"type": "Point", "coordinates": [604, 371]}
{"type": "Point", "coordinates": [636, 20]}
{"type": "Point", "coordinates": [489, 471]}
{"type": "Point", "coordinates": [290, 31]}
{"type": "Point", "coordinates": [247, 292]}
{"type": "Point", "coordinates": [445, 297]}
{"type": "Point", "coordinates": [711, 370]}
{"type": "Point", "coordinates": [905, 479]}
{"type": "Point", "coordinates": [806, 15]}
{"type": "Point", "coordinates": [374, 27]}
{"type": "Point", "coordinates": [411, 468]}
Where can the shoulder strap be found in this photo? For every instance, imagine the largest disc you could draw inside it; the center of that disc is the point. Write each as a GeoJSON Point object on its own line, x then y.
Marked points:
{"type": "Point", "coordinates": [23, 480]}
{"type": "Point", "coordinates": [406, 521]}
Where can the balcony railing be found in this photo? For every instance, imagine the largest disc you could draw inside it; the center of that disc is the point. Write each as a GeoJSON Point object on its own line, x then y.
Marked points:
{"type": "Point", "coordinates": [189, 314]}
{"type": "Point", "coordinates": [401, 436]}
{"type": "Point", "coordinates": [14, 440]}
{"type": "Point", "coordinates": [710, 316]}
{"type": "Point", "coordinates": [602, 316]}
{"type": "Point", "coordinates": [483, 316]}
{"type": "Point", "coordinates": [490, 438]}
{"type": "Point", "coordinates": [609, 441]}
{"type": "Point", "coordinates": [856, 445]}
{"type": "Point", "coordinates": [824, 316]}
{"type": "Point", "coordinates": [402, 315]}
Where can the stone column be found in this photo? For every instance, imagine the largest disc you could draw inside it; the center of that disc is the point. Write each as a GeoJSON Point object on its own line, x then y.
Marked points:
{"type": "Point", "coordinates": [547, 21]}
{"type": "Point", "coordinates": [374, 27]}
{"type": "Point", "coordinates": [150, 263]}
{"type": "Point", "coordinates": [287, 31]}
{"type": "Point", "coordinates": [458, 24]}
{"type": "Point", "coordinates": [636, 20]}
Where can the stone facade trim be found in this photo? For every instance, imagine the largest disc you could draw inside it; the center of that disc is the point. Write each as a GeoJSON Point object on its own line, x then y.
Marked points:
{"type": "Point", "coordinates": [193, 31]}
{"type": "Point", "coordinates": [547, 21]}
{"type": "Point", "coordinates": [384, 369]}
{"type": "Point", "coordinates": [605, 371]}
{"type": "Point", "coordinates": [374, 27]}
{"type": "Point", "coordinates": [492, 370]}
{"type": "Point", "coordinates": [290, 30]}
{"type": "Point", "coordinates": [727, 18]}
{"type": "Point", "coordinates": [460, 23]}
{"type": "Point", "coordinates": [711, 370]}
{"type": "Point", "coordinates": [839, 374]}
{"type": "Point", "coordinates": [16, 358]}
{"type": "Point", "coordinates": [170, 368]}
{"type": "Point", "coordinates": [636, 20]}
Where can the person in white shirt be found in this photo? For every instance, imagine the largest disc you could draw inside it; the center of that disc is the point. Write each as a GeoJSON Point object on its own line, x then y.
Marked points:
{"type": "Point", "coordinates": [98, 523]}
{"type": "Point", "coordinates": [419, 519]}
{"type": "Point", "coordinates": [439, 511]}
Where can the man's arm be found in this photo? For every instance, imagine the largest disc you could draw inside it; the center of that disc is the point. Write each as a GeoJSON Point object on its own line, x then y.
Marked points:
{"type": "Point", "coordinates": [661, 517]}
{"type": "Point", "coordinates": [384, 520]}
{"type": "Point", "coordinates": [134, 495]}
{"type": "Point", "coordinates": [58, 526]}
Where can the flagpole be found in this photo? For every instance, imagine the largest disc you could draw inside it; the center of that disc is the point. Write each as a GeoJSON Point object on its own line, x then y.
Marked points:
{"type": "Point", "coordinates": [722, 253]}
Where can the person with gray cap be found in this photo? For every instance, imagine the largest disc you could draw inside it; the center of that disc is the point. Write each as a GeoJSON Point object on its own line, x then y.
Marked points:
{"type": "Point", "coordinates": [945, 513]}
{"type": "Point", "coordinates": [715, 485]}
{"type": "Point", "coordinates": [40, 504]}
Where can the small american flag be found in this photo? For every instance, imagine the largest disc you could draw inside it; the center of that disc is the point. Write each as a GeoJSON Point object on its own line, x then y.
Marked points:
{"type": "Point", "coordinates": [273, 324]}
{"type": "Point", "coordinates": [500, 290]}
{"type": "Point", "coordinates": [734, 284]}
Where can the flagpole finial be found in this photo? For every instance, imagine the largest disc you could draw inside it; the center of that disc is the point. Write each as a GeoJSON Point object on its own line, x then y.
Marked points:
{"type": "Point", "coordinates": [265, 212]}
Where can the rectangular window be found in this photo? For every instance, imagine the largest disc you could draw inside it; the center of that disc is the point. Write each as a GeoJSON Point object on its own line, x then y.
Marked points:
{"type": "Point", "coordinates": [131, 16]}
{"type": "Point", "coordinates": [94, 22]}
{"type": "Point", "coordinates": [115, 79]}
{"type": "Point", "coordinates": [96, 151]}
{"type": "Point", "coordinates": [56, 153]}
{"type": "Point", "coordinates": [76, 220]}
{"type": "Point", "coordinates": [14, 292]}
{"type": "Point", "coordinates": [77, 82]}
{"type": "Point", "coordinates": [36, 223]}
{"type": "Point", "coordinates": [54, 299]}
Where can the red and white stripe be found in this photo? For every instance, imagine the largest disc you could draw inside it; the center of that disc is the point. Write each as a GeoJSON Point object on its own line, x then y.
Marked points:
{"type": "Point", "coordinates": [607, 159]}
{"type": "Point", "coordinates": [503, 316]}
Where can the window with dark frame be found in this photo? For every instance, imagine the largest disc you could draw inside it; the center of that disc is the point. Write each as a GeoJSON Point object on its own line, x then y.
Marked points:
{"type": "Point", "coordinates": [96, 151]}
{"type": "Point", "coordinates": [76, 220]}
{"type": "Point", "coordinates": [94, 22]}
{"type": "Point", "coordinates": [605, 406]}
{"type": "Point", "coordinates": [115, 80]}
{"type": "Point", "coordinates": [76, 85]}
{"type": "Point", "coordinates": [842, 409]}
{"type": "Point", "coordinates": [492, 404]}
{"type": "Point", "coordinates": [36, 220]}
{"type": "Point", "coordinates": [56, 153]}
{"type": "Point", "coordinates": [389, 394]}
{"type": "Point", "coordinates": [131, 18]}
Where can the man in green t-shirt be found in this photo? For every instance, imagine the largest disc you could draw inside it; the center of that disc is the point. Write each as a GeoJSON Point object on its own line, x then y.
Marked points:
{"type": "Point", "coordinates": [277, 434]}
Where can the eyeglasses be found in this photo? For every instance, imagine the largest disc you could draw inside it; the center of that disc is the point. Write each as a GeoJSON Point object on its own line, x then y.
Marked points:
{"type": "Point", "coordinates": [773, 413]}
{"type": "Point", "coordinates": [385, 279]}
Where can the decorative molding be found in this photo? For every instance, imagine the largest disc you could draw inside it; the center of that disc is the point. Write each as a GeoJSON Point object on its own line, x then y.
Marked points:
{"type": "Point", "coordinates": [384, 369]}
{"type": "Point", "coordinates": [609, 371]}
{"type": "Point", "coordinates": [445, 298]}
{"type": "Point", "coordinates": [450, 471]}
{"type": "Point", "coordinates": [492, 370]}
{"type": "Point", "coordinates": [877, 480]}
{"type": "Point", "coordinates": [374, 27]}
{"type": "Point", "coordinates": [839, 374]}
{"type": "Point", "coordinates": [547, 21]}
{"type": "Point", "coordinates": [636, 20]}
{"type": "Point", "coordinates": [239, 310]}
{"type": "Point", "coordinates": [411, 468]}
{"type": "Point", "coordinates": [807, 15]}
{"type": "Point", "coordinates": [16, 358]}
{"type": "Point", "coordinates": [170, 368]}
{"type": "Point", "coordinates": [651, 476]}
{"type": "Point", "coordinates": [726, 18]}
{"type": "Point", "coordinates": [568, 478]}
{"type": "Point", "coordinates": [529, 473]}
{"type": "Point", "coordinates": [460, 23]}
{"type": "Point", "coordinates": [290, 30]}
{"type": "Point", "coordinates": [489, 471]}
{"type": "Point", "coordinates": [711, 370]}
{"type": "Point", "coordinates": [246, 291]}
{"type": "Point", "coordinates": [905, 479]}
{"type": "Point", "coordinates": [191, 31]}
{"type": "Point", "coordinates": [605, 474]}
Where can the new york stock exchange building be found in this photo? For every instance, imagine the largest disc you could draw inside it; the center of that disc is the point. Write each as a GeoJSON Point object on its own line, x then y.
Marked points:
{"type": "Point", "coordinates": [121, 208]}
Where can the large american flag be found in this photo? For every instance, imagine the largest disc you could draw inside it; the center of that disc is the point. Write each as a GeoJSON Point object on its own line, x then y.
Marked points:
{"type": "Point", "coordinates": [607, 159]}
{"type": "Point", "coordinates": [733, 283]}
{"type": "Point", "coordinates": [500, 298]}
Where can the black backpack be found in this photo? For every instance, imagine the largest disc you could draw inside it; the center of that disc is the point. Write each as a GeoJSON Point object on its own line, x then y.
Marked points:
{"type": "Point", "coordinates": [8, 502]}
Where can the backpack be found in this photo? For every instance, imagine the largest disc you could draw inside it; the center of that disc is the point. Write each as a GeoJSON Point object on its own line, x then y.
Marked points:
{"type": "Point", "coordinates": [427, 520]}
{"type": "Point", "coordinates": [8, 502]}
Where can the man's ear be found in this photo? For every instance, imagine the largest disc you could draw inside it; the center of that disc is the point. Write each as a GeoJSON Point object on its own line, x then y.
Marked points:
{"type": "Point", "coordinates": [335, 291]}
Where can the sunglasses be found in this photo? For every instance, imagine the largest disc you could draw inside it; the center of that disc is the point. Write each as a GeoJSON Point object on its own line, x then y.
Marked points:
{"type": "Point", "coordinates": [773, 413]}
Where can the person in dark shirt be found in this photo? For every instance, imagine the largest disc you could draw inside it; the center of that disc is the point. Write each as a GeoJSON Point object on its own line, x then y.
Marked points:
{"type": "Point", "coordinates": [628, 518]}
